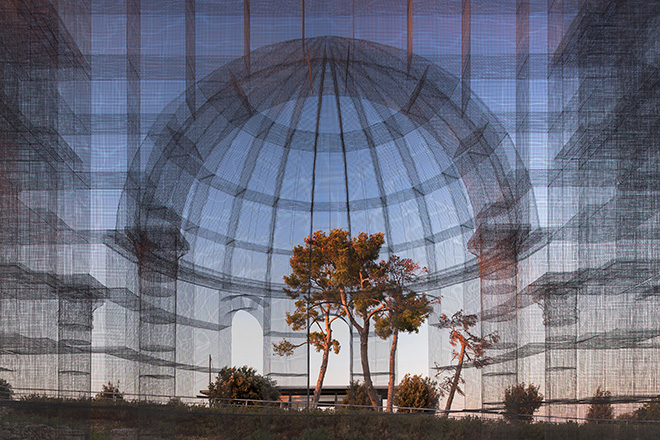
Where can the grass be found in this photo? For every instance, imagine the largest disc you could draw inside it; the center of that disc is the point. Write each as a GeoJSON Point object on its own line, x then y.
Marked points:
{"type": "Point", "coordinates": [97, 418]}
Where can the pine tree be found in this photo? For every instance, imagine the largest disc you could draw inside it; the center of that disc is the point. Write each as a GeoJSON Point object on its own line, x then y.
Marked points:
{"type": "Point", "coordinates": [467, 346]}
{"type": "Point", "coordinates": [405, 310]}
{"type": "Point", "coordinates": [317, 302]}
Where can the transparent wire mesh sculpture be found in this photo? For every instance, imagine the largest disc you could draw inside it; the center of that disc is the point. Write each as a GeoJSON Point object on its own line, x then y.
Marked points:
{"type": "Point", "coordinates": [518, 166]}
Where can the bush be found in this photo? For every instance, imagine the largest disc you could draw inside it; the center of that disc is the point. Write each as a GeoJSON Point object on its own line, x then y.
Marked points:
{"type": "Point", "coordinates": [600, 410]}
{"type": "Point", "coordinates": [520, 402]}
{"type": "Point", "coordinates": [649, 411]}
{"type": "Point", "coordinates": [6, 391]}
{"type": "Point", "coordinates": [627, 417]}
{"type": "Point", "coordinates": [175, 401]}
{"type": "Point", "coordinates": [110, 392]}
{"type": "Point", "coordinates": [356, 394]}
{"type": "Point", "coordinates": [242, 383]}
{"type": "Point", "coordinates": [417, 392]}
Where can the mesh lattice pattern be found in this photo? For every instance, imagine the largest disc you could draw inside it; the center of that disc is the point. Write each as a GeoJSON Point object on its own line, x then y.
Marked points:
{"type": "Point", "coordinates": [161, 159]}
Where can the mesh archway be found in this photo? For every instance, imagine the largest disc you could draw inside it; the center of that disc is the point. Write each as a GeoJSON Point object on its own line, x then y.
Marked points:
{"type": "Point", "coordinates": [329, 132]}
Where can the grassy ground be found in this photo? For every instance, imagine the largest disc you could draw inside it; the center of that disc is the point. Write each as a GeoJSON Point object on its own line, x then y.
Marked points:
{"type": "Point", "coordinates": [99, 418]}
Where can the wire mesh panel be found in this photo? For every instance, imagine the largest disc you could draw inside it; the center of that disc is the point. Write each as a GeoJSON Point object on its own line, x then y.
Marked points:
{"type": "Point", "coordinates": [161, 160]}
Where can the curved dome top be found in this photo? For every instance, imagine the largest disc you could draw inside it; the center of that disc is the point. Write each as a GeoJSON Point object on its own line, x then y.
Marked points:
{"type": "Point", "coordinates": [332, 133]}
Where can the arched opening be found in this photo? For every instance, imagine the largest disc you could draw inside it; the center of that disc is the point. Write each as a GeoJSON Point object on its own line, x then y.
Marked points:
{"type": "Point", "coordinates": [247, 341]}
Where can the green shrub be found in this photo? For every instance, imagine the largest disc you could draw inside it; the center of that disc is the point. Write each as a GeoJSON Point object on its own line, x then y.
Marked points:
{"type": "Point", "coordinates": [520, 402]}
{"type": "Point", "coordinates": [6, 391]}
{"type": "Point", "coordinates": [416, 392]}
{"type": "Point", "coordinates": [110, 392]}
{"type": "Point", "coordinates": [649, 411]}
{"type": "Point", "coordinates": [242, 383]}
{"type": "Point", "coordinates": [357, 395]}
{"type": "Point", "coordinates": [600, 410]}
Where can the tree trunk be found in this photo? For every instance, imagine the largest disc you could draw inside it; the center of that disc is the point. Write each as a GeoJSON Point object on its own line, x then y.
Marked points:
{"type": "Point", "coordinates": [390, 385]}
{"type": "Point", "coordinates": [364, 357]}
{"type": "Point", "coordinates": [323, 370]}
{"type": "Point", "coordinates": [457, 377]}
{"type": "Point", "coordinates": [363, 331]}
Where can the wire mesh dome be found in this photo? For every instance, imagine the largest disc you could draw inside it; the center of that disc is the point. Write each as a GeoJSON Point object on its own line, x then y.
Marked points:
{"type": "Point", "coordinates": [317, 134]}
{"type": "Point", "coordinates": [321, 133]}
{"type": "Point", "coordinates": [280, 144]}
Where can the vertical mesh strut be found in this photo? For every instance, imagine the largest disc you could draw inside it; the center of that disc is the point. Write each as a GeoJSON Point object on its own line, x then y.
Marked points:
{"type": "Point", "coordinates": [246, 33]}
{"type": "Point", "coordinates": [466, 51]}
